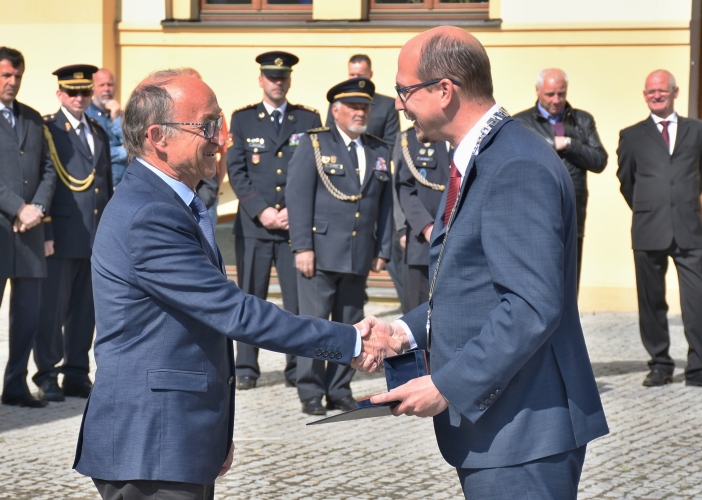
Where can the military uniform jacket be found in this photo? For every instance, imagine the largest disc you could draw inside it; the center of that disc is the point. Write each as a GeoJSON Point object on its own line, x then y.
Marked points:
{"type": "Point", "coordinates": [258, 163]}
{"type": "Point", "coordinates": [75, 214]}
{"type": "Point", "coordinates": [345, 235]}
{"type": "Point", "coordinates": [27, 175]}
{"type": "Point", "coordinates": [419, 203]}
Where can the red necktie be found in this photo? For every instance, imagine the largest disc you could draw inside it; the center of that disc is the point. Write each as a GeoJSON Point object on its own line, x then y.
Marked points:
{"type": "Point", "coordinates": [664, 132]}
{"type": "Point", "coordinates": [454, 188]}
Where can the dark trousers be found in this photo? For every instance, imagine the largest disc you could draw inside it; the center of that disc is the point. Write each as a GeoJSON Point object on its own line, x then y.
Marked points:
{"type": "Point", "coordinates": [651, 267]}
{"type": "Point", "coordinates": [340, 295]}
{"type": "Point", "coordinates": [395, 270]}
{"type": "Point", "coordinates": [24, 325]}
{"type": "Point", "coordinates": [153, 490]}
{"type": "Point", "coordinates": [550, 478]}
{"type": "Point", "coordinates": [580, 259]}
{"type": "Point", "coordinates": [67, 321]}
{"type": "Point", "coordinates": [254, 259]}
{"type": "Point", "coordinates": [416, 280]}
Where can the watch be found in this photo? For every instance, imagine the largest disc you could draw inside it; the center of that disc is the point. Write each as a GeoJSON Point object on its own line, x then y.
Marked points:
{"type": "Point", "coordinates": [568, 140]}
{"type": "Point", "coordinates": [40, 207]}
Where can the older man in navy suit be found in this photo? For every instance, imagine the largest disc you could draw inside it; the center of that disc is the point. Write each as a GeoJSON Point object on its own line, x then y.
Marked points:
{"type": "Point", "coordinates": [511, 389]}
{"type": "Point", "coordinates": [160, 418]}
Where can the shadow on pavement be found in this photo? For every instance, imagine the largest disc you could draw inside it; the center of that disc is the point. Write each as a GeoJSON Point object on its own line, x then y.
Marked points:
{"type": "Point", "coordinates": [618, 368]}
{"type": "Point", "coordinates": [14, 417]}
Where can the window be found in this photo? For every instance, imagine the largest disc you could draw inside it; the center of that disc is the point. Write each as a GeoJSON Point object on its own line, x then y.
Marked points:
{"type": "Point", "coordinates": [270, 10]}
{"type": "Point", "coordinates": [413, 9]}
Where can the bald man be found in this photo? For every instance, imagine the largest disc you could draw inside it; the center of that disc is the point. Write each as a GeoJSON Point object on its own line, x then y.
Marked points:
{"type": "Point", "coordinates": [659, 170]}
{"type": "Point", "coordinates": [571, 133]}
{"type": "Point", "coordinates": [511, 389]}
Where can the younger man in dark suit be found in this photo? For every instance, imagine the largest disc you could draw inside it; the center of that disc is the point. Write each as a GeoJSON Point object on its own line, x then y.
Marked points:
{"type": "Point", "coordinates": [80, 149]}
{"type": "Point", "coordinates": [27, 182]}
{"type": "Point", "coordinates": [659, 171]}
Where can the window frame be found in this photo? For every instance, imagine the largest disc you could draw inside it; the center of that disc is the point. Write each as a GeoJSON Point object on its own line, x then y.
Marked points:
{"type": "Point", "coordinates": [257, 10]}
{"type": "Point", "coordinates": [428, 9]}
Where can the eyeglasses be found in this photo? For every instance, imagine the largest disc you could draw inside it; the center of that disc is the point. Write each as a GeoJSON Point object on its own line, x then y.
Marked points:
{"type": "Point", "coordinates": [403, 92]}
{"type": "Point", "coordinates": [210, 127]}
{"type": "Point", "coordinates": [76, 93]}
{"type": "Point", "coordinates": [663, 92]}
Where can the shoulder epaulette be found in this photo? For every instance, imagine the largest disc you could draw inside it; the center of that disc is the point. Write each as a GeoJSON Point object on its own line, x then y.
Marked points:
{"type": "Point", "coordinates": [409, 128]}
{"type": "Point", "coordinates": [318, 130]}
{"type": "Point", "coordinates": [49, 118]}
{"type": "Point", "coordinates": [250, 106]}
{"type": "Point", "coordinates": [306, 108]}
{"type": "Point", "coordinates": [376, 138]}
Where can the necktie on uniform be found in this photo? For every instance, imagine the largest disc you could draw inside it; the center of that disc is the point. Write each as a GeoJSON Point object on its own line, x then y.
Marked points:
{"type": "Point", "coordinates": [454, 188]}
{"type": "Point", "coordinates": [354, 159]}
{"type": "Point", "coordinates": [665, 134]}
{"type": "Point", "coordinates": [83, 138]}
{"type": "Point", "coordinates": [202, 217]}
{"type": "Point", "coordinates": [276, 120]}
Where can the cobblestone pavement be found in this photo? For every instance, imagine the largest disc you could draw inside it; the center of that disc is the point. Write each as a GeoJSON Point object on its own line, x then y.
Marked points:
{"type": "Point", "coordinates": [653, 452]}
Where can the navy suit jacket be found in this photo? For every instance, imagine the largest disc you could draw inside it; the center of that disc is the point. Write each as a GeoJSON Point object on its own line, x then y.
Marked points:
{"type": "Point", "coordinates": [162, 406]}
{"type": "Point", "coordinates": [507, 348]}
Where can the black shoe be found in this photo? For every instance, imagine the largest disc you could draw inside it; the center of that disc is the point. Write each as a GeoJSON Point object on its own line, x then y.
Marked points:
{"type": "Point", "coordinates": [695, 381]}
{"type": "Point", "coordinates": [49, 390]}
{"type": "Point", "coordinates": [78, 388]}
{"type": "Point", "coordinates": [290, 383]}
{"type": "Point", "coordinates": [27, 400]}
{"type": "Point", "coordinates": [313, 406]}
{"type": "Point", "coordinates": [658, 377]}
{"type": "Point", "coordinates": [346, 403]}
{"type": "Point", "coordinates": [245, 383]}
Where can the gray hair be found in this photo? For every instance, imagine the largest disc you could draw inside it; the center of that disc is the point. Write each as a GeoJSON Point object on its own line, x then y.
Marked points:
{"type": "Point", "coordinates": [149, 104]}
{"type": "Point", "coordinates": [542, 76]}
{"type": "Point", "coordinates": [444, 56]}
{"type": "Point", "coordinates": [671, 78]}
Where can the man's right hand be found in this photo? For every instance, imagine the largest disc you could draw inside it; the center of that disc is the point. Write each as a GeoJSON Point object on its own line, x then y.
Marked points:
{"type": "Point", "coordinates": [28, 216]}
{"type": "Point", "coordinates": [114, 108]}
{"type": "Point", "coordinates": [304, 262]}
{"type": "Point", "coordinates": [426, 232]}
{"type": "Point", "coordinates": [269, 218]}
{"type": "Point", "coordinates": [48, 248]}
{"type": "Point", "coordinates": [403, 241]}
{"type": "Point", "coordinates": [379, 342]}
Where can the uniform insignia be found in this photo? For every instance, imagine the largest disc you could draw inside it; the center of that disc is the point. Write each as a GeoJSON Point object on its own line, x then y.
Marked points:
{"type": "Point", "coordinates": [326, 159]}
{"type": "Point", "coordinates": [278, 61]}
{"type": "Point", "coordinates": [422, 151]}
{"type": "Point", "coordinates": [333, 159]}
{"type": "Point", "coordinates": [430, 152]}
{"type": "Point", "coordinates": [318, 130]}
{"type": "Point", "coordinates": [423, 173]}
{"type": "Point", "coordinates": [381, 165]}
{"type": "Point", "coordinates": [49, 118]}
{"type": "Point", "coordinates": [427, 144]}
{"type": "Point", "coordinates": [249, 106]}
{"type": "Point", "coordinates": [294, 139]}
{"type": "Point", "coordinates": [230, 140]}
{"type": "Point", "coordinates": [255, 159]}
{"type": "Point", "coordinates": [261, 114]}
{"type": "Point", "coordinates": [291, 117]}
{"type": "Point", "coordinates": [68, 126]}
{"type": "Point", "coordinates": [307, 108]}
{"type": "Point", "coordinates": [362, 84]}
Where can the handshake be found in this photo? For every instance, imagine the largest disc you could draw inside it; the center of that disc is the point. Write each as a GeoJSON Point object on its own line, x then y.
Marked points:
{"type": "Point", "coordinates": [380, 340]}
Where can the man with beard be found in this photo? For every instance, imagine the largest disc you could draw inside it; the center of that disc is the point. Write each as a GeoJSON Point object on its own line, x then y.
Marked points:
{"type": "Point", "coordinates": [105, 109]}
{"type": "Point", "coordinates": [340, 199]}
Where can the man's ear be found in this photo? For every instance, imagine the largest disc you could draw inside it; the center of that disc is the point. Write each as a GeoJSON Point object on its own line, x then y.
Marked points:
{"type": "Point", "coordinates": [156, 138]}
{"type": "Point", "coordinates": [448, 93]}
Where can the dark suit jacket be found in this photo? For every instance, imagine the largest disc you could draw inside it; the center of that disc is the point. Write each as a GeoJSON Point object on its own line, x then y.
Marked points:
{"type": "Point", "coordinates": [507, 348]}
{"type": "Point", "coordinates": [419, 203]}
{"type": "Point", "coordinates": [662, 190]}
{"type": "Point", "coordinates": [384, 119]}
{"type": "Point", "coordinates": [75, 215]}
{"type": "Point", "coordinates": [162, 406]}
{"type": "Point", "coordinates": [27, 175]}
{"type": "Point", "coordinates": [258, 163]}
{"type": "Point", "coordinates": [345, 235]}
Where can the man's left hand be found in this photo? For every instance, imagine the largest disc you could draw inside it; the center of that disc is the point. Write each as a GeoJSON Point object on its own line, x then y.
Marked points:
{"type": "Point", "coordinates": [114, 108]}
{"type": "Point", "coordinates": [560, 143]}
{"type": "Point", "coordinates": [228, 462]}
{"type": "Point", "coordinates": [378, 264]}
{"type": "Point", "coordinates": [418, 397]}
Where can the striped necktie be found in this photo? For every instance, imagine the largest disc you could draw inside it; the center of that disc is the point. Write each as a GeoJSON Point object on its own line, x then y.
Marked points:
{"type": "Point", "coordinates": [202, 217]}
{"type": "Point", "coordinates": [454, 188]}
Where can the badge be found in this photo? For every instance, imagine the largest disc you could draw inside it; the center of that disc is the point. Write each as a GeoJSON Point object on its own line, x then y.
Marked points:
{"type": "Point", "coordinates": [333, 159]}
{"type": "Point", "coordinates": [230, 140]}
{"type": "Point", "coordinates": [422, 151]}
{"type": "Point", "coordinates": [291, 117]}
{"type": "Point", "coordinates": [430, 152]}
{"type": "Point", "coordinates": [255, 159]}
{"type": "Point", "coordinates": [325, 159]}
{"type": "Point", "coordinates": [261, 114]}
{"type": "Point", "coordinates": [427, 144]}
{"type": "Point", "coordinates": [380, 165]}
{"type": "Point", "coordinates": [423, 173]}
{"type": "Point", "coordinates": [68, 127]}
{"type": "Point", "coordinates": [294, 139]}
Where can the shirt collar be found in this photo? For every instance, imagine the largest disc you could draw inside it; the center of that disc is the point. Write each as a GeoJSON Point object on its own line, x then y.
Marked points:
{"type": "Point", "coordinates": [72, 120]}
{"type": "Point", "coordinates": [347, 140]}
{"type": "Point", "coordinates": [270, 108]}
{"type": "Point", "coordinates": [464, 151]}
{"type": "Point", "coordinates": [10, 107]}
{"type": "Point", "coordinates": [673, 118]}
{"type": "Point", "coordinates": [186, 194]}
{"type": "Point", "coordinates": [550, 117]}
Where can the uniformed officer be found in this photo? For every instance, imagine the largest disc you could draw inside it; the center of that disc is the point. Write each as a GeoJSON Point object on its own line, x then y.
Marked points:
{"type": "Point", "coordinates": [265, 135]}
{"type": "Point", "coordinates": [80, 149]}
{"type": "Point", "coordinates": [340, 199]}
{"type": "Point", "coordinates": [421, 176]}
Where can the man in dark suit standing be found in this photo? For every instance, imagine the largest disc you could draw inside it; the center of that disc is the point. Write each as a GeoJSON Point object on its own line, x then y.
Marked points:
{"type": "Point", "coordinates": [340, 199]}
{"type": "Point", "coordinates": [659, 170]}
{"type": "Point", "coordinates": [160, 419]}
{"type": "Point", "coordinates": [80, 149]}
{"type": "Point", "coordinates": [511, 389]}
{"type": "Point", "coordinates": [572, 133]}
{"type": "Point", "coordinates": [265, 137]}
{"type": "Point", "coordinates": [421, 175]}
{"type": "Point", "coordinates": [27, 182]}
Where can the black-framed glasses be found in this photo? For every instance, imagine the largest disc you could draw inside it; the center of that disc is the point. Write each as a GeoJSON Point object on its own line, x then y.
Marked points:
{"type": "Point", "coordinates": [210, 128]}
{"type": "Point", "coordinates": [403, 92]}
{"type": "Point", "coordinates": [76, 93]}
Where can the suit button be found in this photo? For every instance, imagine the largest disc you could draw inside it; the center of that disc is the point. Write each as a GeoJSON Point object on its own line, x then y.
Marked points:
{"type": "Point", "coordinates": [230, 381]}
{"type": "Point", "coordinates": [25, 181]}
{"type": "Point", "coordinates": [338, 355]}
{"type": "Point", "coordinates": [255, 150]}
{"type": "Point", "coordinates": [97, 190]}
{"type": "Point", "coordinates": [277, 206]}
{"type": "Point", "coordinates": [314, 228]}
{"type": "Point", "coordinates": [90, 158]}
{"type": "Point", "coordinates": [481, 407]}
{"type": "Point", "coordinates": [278, 188]}
{"type": "Point", "coordinates": [279, 171]}
{"type": "Point", "coordinates": [96, 211]}
{"type": "Point", "coordinates": [497, 391]}
{"type": "Point", "coordinates": [325, 354]}
{"type": "Point", "coordinates": [358, 214]}
{"type": "Point", "coordinates": [487, 402]}
{"type": "Point", "coordinates": [318, 352]}
{"type": "Point", "coordinates": [353, 233]}
{"type": "Point", "coordinates": [280, 154]}
{"type": "Point", "coordinates": [21, 152]}
{"type": "Point", "coordinates": [332, 171]}
{"type": "Point", "coordinates": [493, 396]}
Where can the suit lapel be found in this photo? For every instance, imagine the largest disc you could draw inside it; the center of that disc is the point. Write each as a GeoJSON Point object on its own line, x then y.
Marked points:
{"type": "Point", "coordinates": [652, 130]}
{"type": "Point", "coordinates": [97, 143]}
{"type": "Point", "coordinates": [683, 128]}
{"type": "Point", "coordinates": [344, 156]}
{"type": "Point", "coordinates": [287, 126]}
{"type": "Point", "coordinates": [7, 128]}
{"type": "Point", "coordinates": [20, 123]}
{"type": "Point", "coordinates": [265, 124]}
{"type": "Point", "coordinates": [370, 163]}
{"type": "Point", "coordinates": [64, 124]}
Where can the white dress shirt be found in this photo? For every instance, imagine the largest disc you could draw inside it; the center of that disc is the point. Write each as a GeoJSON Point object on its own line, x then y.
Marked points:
{"type": "Point", "coordinates": [74, 123]}
{"type": "Point", "coordinates": [672, 127]}
{"type": "Point", "coordinates": [270, 110]}
{"type": "Point", "coordinates": [461, 158]}
{"type": "Point", "coordinates": [360, 152]}
{"type": "Point", "coordinates": [12, 114]}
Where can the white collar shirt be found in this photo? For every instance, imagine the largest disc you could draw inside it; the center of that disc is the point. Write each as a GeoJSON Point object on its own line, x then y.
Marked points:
{"type": "Point", "coordinates": [464, 151]}
{"type": "Point", "coordinates": [270, 110]}
{"type": "Point", "coordinates": [74, 123]}
{"type": "Point", "coordinates": [184, 192]}
{"type": "Point", "coordinates": [12, 114]}
{"type": "Point", "coordinates": [360, 152]}
{"type": "Point", "coordinates": [672, 128]}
